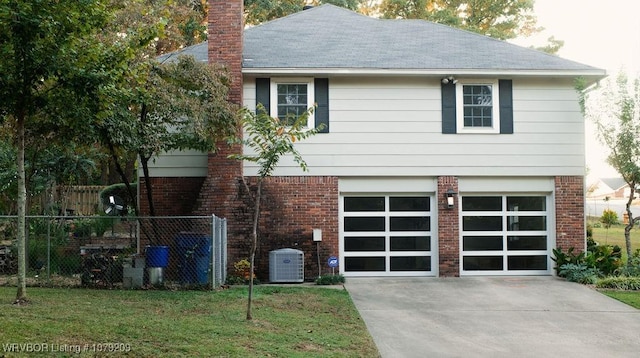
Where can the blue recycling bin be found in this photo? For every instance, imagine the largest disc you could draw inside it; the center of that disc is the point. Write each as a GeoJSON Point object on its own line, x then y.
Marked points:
{"type": "Point", "coordinates": [157, 256]}
{"type": "Point", "coordinates": [194, 258]}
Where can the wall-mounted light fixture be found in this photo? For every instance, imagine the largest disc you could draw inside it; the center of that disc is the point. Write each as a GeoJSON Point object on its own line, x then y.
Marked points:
{"type": "Point", "coordinates": [450, 195]}
{"type": "Point", "coordinates": [449, 79]}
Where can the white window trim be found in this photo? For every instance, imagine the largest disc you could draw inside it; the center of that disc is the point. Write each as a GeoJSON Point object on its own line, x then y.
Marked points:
{"type": "Point", "coordinates": [495, 98]}
{"type": "Point", "coordinates": [273, 94]}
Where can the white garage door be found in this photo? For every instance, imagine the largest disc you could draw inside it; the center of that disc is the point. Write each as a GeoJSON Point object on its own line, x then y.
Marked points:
{"type": "Point", "coordinates": [505, 235]}
{"type": "Point", "coordinates": [386, 235]}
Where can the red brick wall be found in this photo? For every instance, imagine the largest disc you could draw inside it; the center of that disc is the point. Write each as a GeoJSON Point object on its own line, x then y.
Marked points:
{"type": "Point", "coordinates": [448, 230]}
{"type": "Point", "coordinates": [570, 219]}
{"type": "Point", "coordinates": [291, 208]}
{"type": "Point", "coordinates": [171, 196]}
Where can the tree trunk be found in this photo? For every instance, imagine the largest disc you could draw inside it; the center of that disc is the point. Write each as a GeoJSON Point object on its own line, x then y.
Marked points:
{"type": "Point", "coordinates": [630, 224]}
{"type": "Point", "coordinates": [254, 245]}
{"type": "Point", "coordinates": [21, 295]}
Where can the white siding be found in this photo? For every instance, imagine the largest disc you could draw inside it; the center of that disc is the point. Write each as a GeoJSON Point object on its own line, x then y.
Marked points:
{"type": "Point", "coordinates": [186, 163]}
{"type": "Point", "coordinates": [392, 127]}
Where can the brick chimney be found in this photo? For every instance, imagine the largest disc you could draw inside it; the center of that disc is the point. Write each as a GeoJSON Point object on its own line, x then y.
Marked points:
{"type": "Point", "coordinates": [220, 192]}
{"type": "Point", "coordinates": [225, 40]}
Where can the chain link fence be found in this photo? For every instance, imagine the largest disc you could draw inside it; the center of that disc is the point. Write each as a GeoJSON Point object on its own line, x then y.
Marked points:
{"type": "Point", "coordinates": [117, 252]}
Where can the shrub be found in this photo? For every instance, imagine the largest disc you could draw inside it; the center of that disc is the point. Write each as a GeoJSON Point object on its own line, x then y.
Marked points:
{"type": "Point", "coordinates": [608, 218]}
{"type": "Point", "coordinates": [632, 268]}
{"type": "Point", "coordinates": [561, 258]}
{"type": "Point", "coordinates": [605, 258]}
{"type": "Point", "coordinates": [330, 279]}
{"type": "Point", "coordinates": [579, 273]}
{"type": "Point", "coordinates": [620, 283]}
{"type": "Point", "coordinates": [240, 274]}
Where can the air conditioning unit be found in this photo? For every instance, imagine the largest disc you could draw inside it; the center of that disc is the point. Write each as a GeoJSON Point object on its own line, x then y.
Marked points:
{"type": "Point", "coordinates": [286, 265]}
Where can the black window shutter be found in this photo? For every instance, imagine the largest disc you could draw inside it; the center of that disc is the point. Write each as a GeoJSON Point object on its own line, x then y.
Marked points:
{"type": "Point", "coordinates": [321, 90]}
{"type": "Point", "coordinates": [506, 106]}
{"type": "Point", "coordinates": [449, 108]}
{"type": "Point", "coordinates": [263, 89]}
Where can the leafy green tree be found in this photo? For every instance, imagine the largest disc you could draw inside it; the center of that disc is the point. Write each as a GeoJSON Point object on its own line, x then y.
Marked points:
{"type": "Point", "coordinates": [615, 110]}
{"type": "Point", "coordinates": [268, 139]}
{"type": "Point", "coordinates": [45, 50]}
{"type": "Point", "coordinates": [501, 19]}
{"type": "Point", "coordinates": [259, 11]}
{"type": "Point", "coordinates": [181, 22]}
{"type": "Point", "coordinates": [178, 105]}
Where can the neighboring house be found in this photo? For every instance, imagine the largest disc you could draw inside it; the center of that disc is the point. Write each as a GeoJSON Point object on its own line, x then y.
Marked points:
{"type": "Point", "coordinates": [614, 188]}
{"type": "Point", "coordinates": [444, 152]}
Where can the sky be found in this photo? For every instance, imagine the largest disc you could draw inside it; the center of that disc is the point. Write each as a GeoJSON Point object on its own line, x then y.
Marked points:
{"type": "Point", "coordinates": [603, 34]}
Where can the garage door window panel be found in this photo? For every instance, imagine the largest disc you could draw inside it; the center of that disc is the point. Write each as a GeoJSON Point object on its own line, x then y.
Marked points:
{"type": "Point", "coordinates": [535, 242]}
{"type": "Point", "coordinates": [483, 263]}
{"type": "Point", "coordinates": [409, 223]}
{"type": "Point", "coordinates": [482, 223]}
{"type": "Point", "coordinates": [360, 264]}
{"type": "Point", "coordinates": [410, 263]}
{"type": "Point", "coordinates": [366, 223]}
{"type": "Point", "coordinates": [482, 243]}
{"type": "Point", "coordinates": [359, 204]}
{"type": "Point", "coordinates": [410, 243]}
{"type": "Point", "coordinates": [364, 243]}
{"type": "Point", "coordinates": [527, 262]}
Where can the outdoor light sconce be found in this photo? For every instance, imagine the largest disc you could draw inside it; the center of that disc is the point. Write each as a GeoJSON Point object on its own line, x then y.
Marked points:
{"type": "Point", "coordinates": [450, 195]}
{"type": "Point", "coordinates": [449, 79]}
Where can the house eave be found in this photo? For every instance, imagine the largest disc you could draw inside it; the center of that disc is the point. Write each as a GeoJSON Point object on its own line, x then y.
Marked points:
{"type": "Point", "coordinates": [590, 75]}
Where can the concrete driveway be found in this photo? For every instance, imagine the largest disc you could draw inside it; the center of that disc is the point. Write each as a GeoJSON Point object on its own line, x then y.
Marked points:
{"type": "Point", "coordinates": [494, 317]}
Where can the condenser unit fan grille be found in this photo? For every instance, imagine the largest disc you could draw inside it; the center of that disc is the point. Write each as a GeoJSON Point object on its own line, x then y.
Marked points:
{"type": "Point", "coordinates": [286, 265]}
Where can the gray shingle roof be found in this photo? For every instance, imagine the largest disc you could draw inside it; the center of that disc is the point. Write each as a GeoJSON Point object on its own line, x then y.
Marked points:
{"type": "Point", "coordinates": [329, 37]}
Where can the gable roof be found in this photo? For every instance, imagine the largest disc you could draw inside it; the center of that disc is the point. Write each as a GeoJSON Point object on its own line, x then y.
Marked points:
{"type": "Point", "coordinates": [330, 39]}
{"type": "Point", "coordinates": [614, 183]}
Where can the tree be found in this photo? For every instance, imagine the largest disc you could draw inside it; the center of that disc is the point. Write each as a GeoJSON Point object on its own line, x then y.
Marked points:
{"type": "Point", "coordinates": [501, 19]}
{"type": "Point", "coordinates": [184, 22]}
{"type": "Point", "coordinates": [268, 139]}
{"type": "Point", "coordinates": [162, 107]}
{"type": "Point", "coordinates": [259, 11]}
{"type": "Point", "coordinates": [44, 49]}
{"type": "Point", "coordinates": [615, 110]}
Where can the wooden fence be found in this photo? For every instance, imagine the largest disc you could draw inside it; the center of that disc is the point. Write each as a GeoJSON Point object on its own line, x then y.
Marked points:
{"type": "Point", "coordinates": [80, 199]}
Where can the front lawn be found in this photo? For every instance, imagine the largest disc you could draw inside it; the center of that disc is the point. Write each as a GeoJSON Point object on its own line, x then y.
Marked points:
{"type": "Point", "coordinates": [288, 322]}
{"type": "Point", "coordinates": [632, 298]}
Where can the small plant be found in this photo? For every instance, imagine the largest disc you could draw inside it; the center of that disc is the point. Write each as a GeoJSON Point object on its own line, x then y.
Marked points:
{"type": "Point", "coordinates": [619, 283]}
{"type": "Point", "coordinates": [605, 258]}
{"type": "Point", "coordinates": [330, 279]}
{"type": "Point", "coordinates": [561, 258]}
{"type": "Point", "coordinates": [579, 273]}
{"type": "Point", "coordinates": [240, 275]}
{"type": "Point", "coordinates": [608, 218]}
{"type": "Point", "coordinates": [632, 268]}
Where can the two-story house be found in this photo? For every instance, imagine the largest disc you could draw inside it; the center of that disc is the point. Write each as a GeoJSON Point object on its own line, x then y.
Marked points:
{"type": "Point", "coordinates": [443, 153]}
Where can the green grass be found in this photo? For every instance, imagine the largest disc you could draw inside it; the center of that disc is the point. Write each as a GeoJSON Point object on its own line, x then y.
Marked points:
{"type": "Point", "coordinates": [287, 322]}
{"type": "Point", "coordinates": [632, 298]}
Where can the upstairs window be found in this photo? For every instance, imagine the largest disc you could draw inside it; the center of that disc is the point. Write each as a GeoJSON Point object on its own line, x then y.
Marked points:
{"type": "Point", "coordinates": [292, 98]}
{"type": "Point", "coordinates": [477, 107]}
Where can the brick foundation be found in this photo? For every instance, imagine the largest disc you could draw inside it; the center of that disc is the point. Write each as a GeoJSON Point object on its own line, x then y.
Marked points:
{"type": "Point", "coordinates": [171, 196]}
{"type": "Point", "coordinates": [448, 230]}
{"type": "Point", "coordinates": [570, 219]}
{"type": "Point", "coordinates": [292, 208]}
